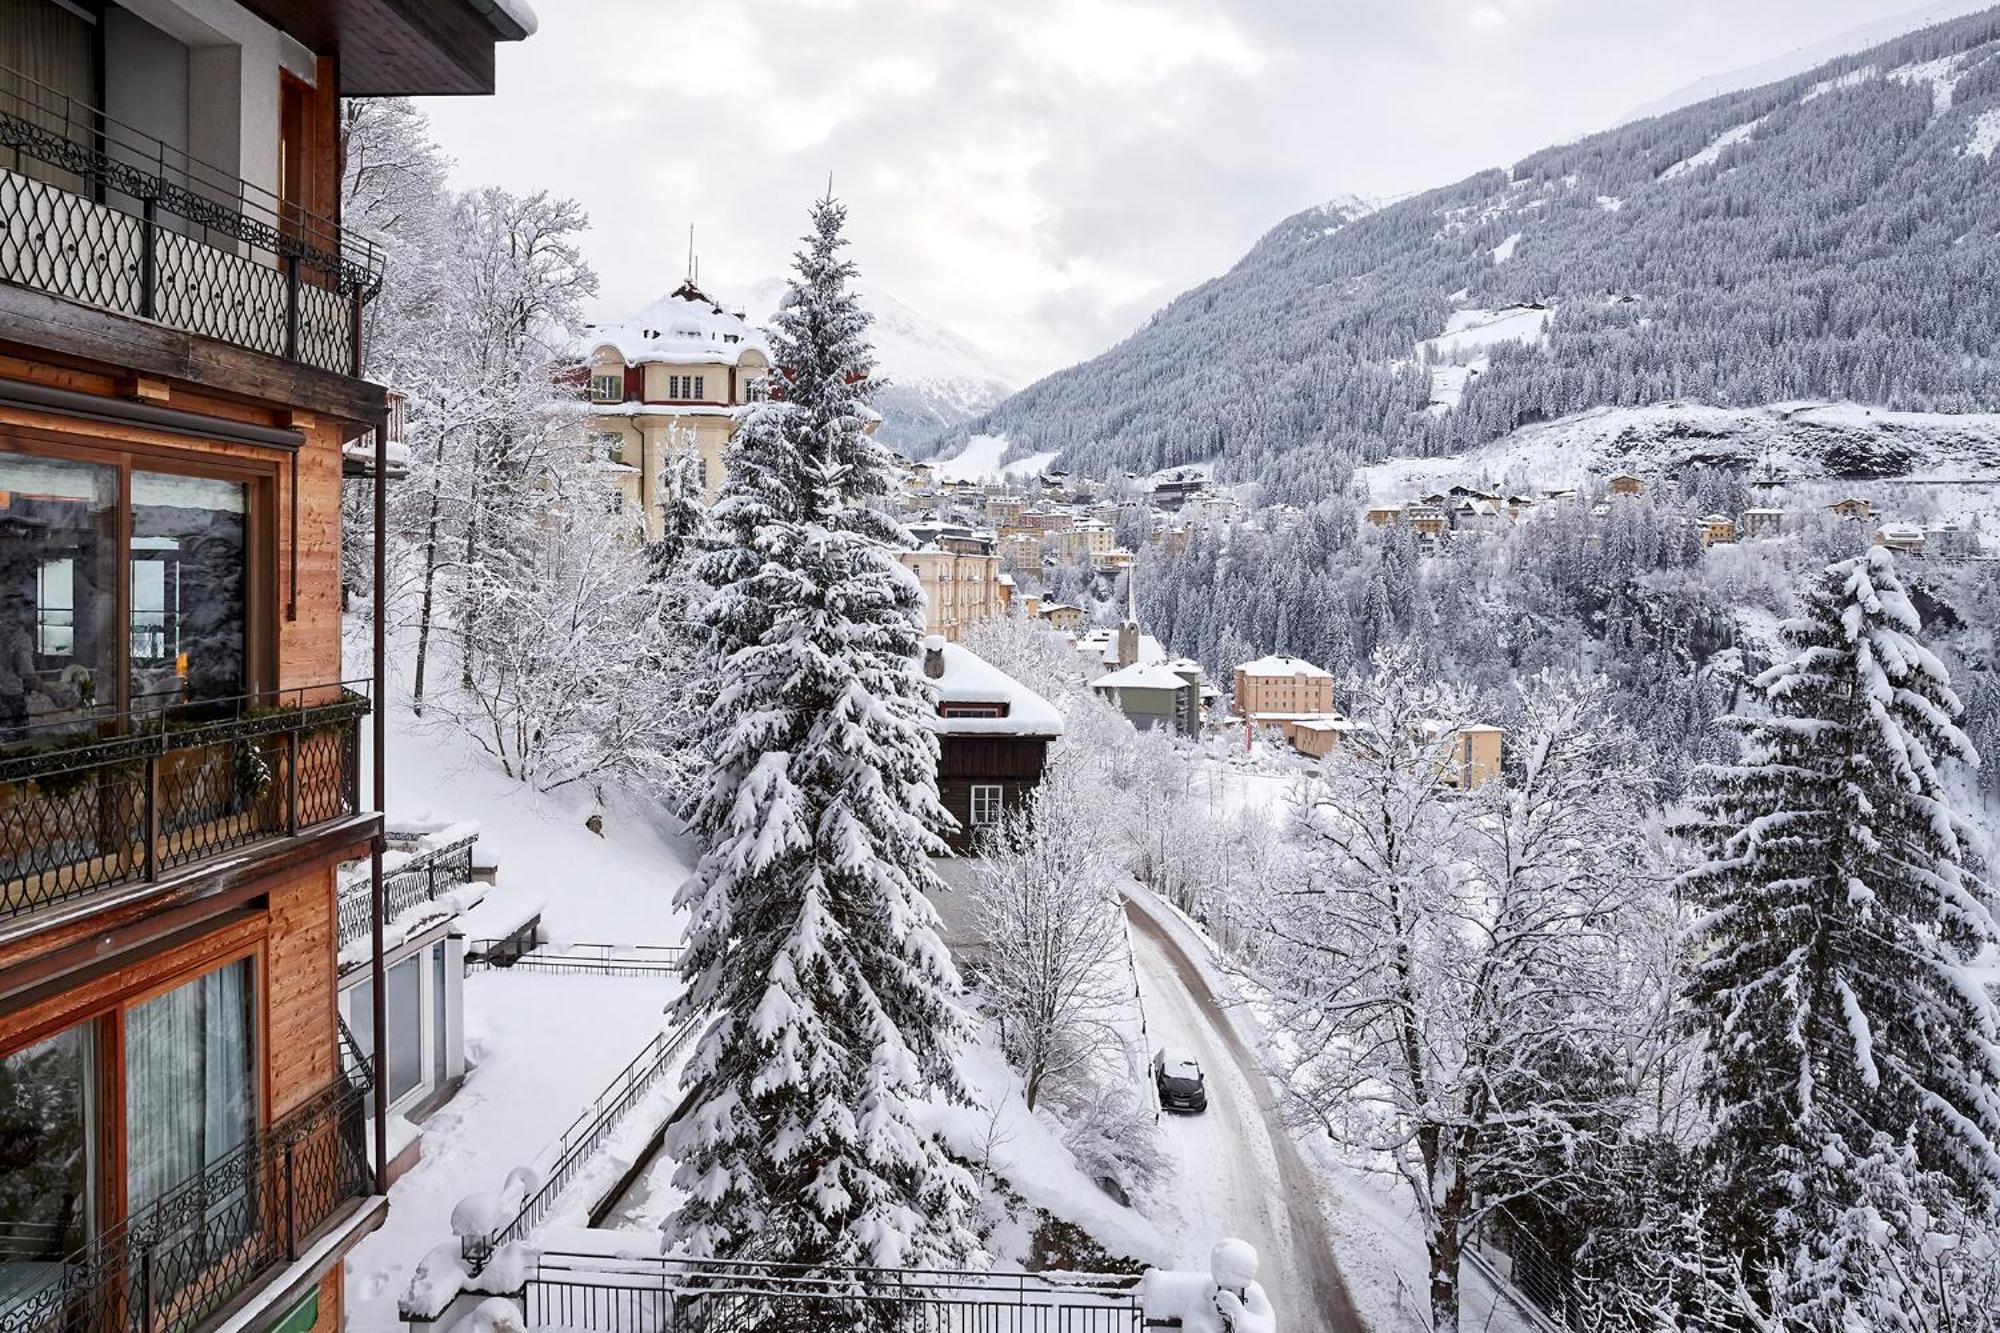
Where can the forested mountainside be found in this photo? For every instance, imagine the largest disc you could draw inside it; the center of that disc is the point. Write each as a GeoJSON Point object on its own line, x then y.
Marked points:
{"type": "Point", "coordinates": [1835, 235]}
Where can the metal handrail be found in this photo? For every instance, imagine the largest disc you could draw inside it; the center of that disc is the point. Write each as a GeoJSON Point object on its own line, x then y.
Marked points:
{"type": "Point", "coordinates": [73, 136]}
{"type": "Point", "coordinates": [605, 960]}
{"type": "Point", "coordinates": [195, 1247]}
{"type": "Point", "coordinates": [580, 1140]}
{"type": "Point", "coordinates": [142, 793]}
{"type": "Point", "coordinates": [422, 878]}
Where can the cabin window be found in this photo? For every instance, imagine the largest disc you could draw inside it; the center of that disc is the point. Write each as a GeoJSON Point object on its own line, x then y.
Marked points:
{"type": "Point", "coordinates": [971, 710]}
{"type": "Point", "coordinates": [985, 805]}
{"type": "Point", "coordinates": [607, 388]}
{"type": "Point", "coordinates": [190, 1083]}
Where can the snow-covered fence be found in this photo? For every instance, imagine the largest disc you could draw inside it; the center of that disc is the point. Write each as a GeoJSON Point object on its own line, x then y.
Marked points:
{"type": "Point", "coordinates": [423, 878]}
{"type": "Point", "coordinates": [559, 1164]}
{"type": "Point", "coordinates": [605, 960]}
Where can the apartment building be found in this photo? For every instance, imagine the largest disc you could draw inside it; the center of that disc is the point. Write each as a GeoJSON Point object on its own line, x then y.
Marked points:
{"type": "Point", "coordinates": [1280, 689]}
{"type": "Point", "coordinates": [960, 574]}
{"type": "Point", "coordinates": [186, 1128]}
{"type": "Point", "coordinates": [675, 376]}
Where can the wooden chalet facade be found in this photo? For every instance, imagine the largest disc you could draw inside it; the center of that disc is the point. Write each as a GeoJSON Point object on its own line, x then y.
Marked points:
{"type": "Point", "coordinates": [186, 1136]}
{"type": "Point", "coordinates": [993, 739]}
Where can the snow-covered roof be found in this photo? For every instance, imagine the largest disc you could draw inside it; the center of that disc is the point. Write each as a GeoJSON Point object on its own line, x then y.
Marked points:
{"type": "Point", "coordinates": [1282, 664]}
{"type": "Point", "coordinates": [1140, 676]}
{"type": "Point", "coordinates": [686, 326]}
{"type": "Point", "coordinates": [1150, 650]}
{"type": "Point", "coordinates": [970, 679]}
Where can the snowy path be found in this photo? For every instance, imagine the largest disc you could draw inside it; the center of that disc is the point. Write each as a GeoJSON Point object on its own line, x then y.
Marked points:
{"type": "Point", "coordinates": [1240, 1174]}
{"type": "Point", "coordinates": [544, 1046]}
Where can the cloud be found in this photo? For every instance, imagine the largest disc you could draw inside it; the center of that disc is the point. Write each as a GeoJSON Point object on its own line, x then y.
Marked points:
{"type": "Point", "coordinates": [1040, 175]}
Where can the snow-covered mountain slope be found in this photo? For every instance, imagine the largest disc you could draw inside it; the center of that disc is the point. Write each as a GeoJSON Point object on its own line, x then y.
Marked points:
{"type": "Point", "coordinates": [1785, 441]}
{"type": "Point", "coordinates": [1802, 58]}
{"type": "Point", "coordinates": [937, 379]}
{"type": "Point", "coordinates": [1826, 236]}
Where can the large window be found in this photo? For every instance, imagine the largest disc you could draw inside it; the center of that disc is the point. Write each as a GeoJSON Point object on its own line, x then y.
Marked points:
{"type": "Point", "coordinates": [190, 1081]}
{"type": "Point", "coordinates": [607, 388]}
{"type": "Point", "coordinates": [59, 557]}
{"type": "Point", "coordinates": [66, 528]}
{"type": "Point", "coordinates": [985, 805]}
{"type": "Point", "coordinates": [46, 1190]}
{"type": "Point", "coordinates": [404, 1020]}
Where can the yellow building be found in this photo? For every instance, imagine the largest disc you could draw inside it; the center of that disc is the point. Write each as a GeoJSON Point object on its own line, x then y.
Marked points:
{"type": "Point", "coordinates": [960, 576]}
{"type": "Point", "coordinates": [677, 375]}
{"type": "Point", "coordinates": [1281, 690]}
{"type": "Point", "coordinates": [1716, 529]}
{"type": "Point", "coordinates": [1062, 615]}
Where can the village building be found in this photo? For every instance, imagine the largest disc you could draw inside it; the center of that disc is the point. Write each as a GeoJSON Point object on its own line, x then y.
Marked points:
{"type": "Point", "coordinates": [1853, 507]}
{"type": "Point", "coordinates": [1156, 695]}
{"type": "Point", "coordinates": [993, 739]}
{"type": "Point", "coordinates": [1903, 538]}
{"type": "Point", "coordinates": [1763, 522]}
{"type": "Point", "coordinates": [674, 377]}
{"type": "Point", "coordinates": [192, 1141]}
{"type": "Point", "coordinates": [1716, 529]}
{"type": "Point", "coordinates": [1624, 483]}
{"type": "Point", "coordinates": [1062, 615]}
{"type": "Point", "coordinates": [959, 571]}
{"type": "Point", "coordinates": [1280, 691]}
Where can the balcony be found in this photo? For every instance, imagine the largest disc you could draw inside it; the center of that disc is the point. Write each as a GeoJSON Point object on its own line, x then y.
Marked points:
{"type": "Point", "coordinates": [98, 804]}
{"type": "Point", "coordinates": [198, 1249]}
{"type": "Point", "coordinates": [97, 212]}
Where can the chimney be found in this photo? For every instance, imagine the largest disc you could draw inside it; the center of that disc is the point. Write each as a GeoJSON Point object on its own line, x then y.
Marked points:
{"type": "Point", "coordinates": [934, 657]}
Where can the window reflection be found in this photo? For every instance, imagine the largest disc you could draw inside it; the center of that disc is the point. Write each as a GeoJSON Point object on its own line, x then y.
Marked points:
{"type": "Point", "coordinates": [45, 1176]}
{"type": "Point", "coordinates": [58, 591]}
{"type": "Point", "coordinates": [188, 543]}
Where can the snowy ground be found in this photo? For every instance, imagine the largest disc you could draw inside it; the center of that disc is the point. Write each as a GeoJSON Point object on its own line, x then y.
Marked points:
{"type": "Point", "coordinates": [543, 1046]}
{"type": "Point", "coordinates": [980, 461]}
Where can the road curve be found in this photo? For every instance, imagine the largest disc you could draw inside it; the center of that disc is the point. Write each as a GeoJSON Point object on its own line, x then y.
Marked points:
{"type": "Point", "coordinates": [1240, 1165]}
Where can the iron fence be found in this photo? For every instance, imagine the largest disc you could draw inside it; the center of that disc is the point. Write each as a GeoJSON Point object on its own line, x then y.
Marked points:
{"type": "Point", "coordinates": [1509, 1253]}
{"type": "Point", "coordinates": [573, 1150]}
{"type": "Point", "coordinates": [97, 211]}
{"type": "Point", "coordinates": [101, 801]}
{"type": "Point", "coordinates": [423, 878]}
{"type": "Point", "coordinates": [716, 1296]}
{"type": "Point", "coordinates": [604, 960]}
{"type": "Point", "coordinates": [190, 1252]}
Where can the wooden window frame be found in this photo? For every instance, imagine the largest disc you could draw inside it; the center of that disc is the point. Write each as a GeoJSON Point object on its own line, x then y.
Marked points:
{"type": "Point", "coordinates": [999, 791]}
{"type": "Point", "coordinates": [261, 536]}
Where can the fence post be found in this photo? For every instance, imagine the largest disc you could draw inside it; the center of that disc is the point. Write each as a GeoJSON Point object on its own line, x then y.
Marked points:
{"type": "Point", "coordinates": [151, 817]}
{"type": "Point", "coordinates": [291, 307]}
{"type": "Point", "coordinates": [354, 334]}
{"type": "Point", "coordinates": [149, 263]}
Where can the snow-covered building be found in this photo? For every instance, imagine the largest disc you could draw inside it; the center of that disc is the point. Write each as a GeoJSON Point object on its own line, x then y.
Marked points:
{"type": "Point", "coordinates": [1281, 690]}
{"type": "Point", "coordinates": [676, 375]}
{"type": "Point", "coordinates": [1762, 522]}
{"type": "Point", "coordinates": [1156, 695]}
{"type": "Point", "coordinates": [993, 737]}
{"type": "Point", "coordinates": [1906, 538]}
{"type": "Point", "coordinates": [959, 571]}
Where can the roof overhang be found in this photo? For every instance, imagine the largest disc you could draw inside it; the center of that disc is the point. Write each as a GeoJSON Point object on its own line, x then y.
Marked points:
{"type": "Point", "coordinates": [401, 48]}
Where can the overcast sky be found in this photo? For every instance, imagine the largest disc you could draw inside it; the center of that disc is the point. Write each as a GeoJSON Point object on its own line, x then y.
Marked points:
{"type": "Point", "coordinates": [1040, 175]}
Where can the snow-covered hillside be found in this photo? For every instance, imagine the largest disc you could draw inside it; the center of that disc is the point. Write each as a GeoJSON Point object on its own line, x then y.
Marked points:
{"type": "Point", "coordinates": [937, 379]}
{"type": "Point", "coordinates": [1705, 254]}
{"type": "Point", "coordinates": [1786, 441]}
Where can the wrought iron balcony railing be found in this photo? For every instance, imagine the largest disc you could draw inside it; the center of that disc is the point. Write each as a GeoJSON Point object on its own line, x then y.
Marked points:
{"type": "Point", "coordinates": [423, 878]}
{"type": "Point", "coordinates": [95, 211]}
{"type": "Point", "coordinates": [191, 1252]}
{"type": "Point", "coordinates": [105, 802]}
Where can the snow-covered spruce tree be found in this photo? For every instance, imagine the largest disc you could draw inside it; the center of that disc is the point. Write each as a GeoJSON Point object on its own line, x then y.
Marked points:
{"type": "Point", "coordinates": [1852, 1057]}
{"type": "Point", "coordinates": [829, 1002]}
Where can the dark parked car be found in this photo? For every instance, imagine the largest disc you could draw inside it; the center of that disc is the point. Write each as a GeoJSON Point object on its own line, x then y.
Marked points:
{"type": "Point", "coordinates": [1180, 1083]}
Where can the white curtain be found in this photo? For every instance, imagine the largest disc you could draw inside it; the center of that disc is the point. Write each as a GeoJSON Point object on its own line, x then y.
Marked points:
{"type": "Point", "coordinates": [189, 1090]}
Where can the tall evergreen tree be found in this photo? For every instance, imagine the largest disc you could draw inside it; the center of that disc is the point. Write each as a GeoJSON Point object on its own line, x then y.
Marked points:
{"type": "Point", "coordinates": [1853, 1060]}
{"type": "Point", "coordinates": [830, 1001]}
